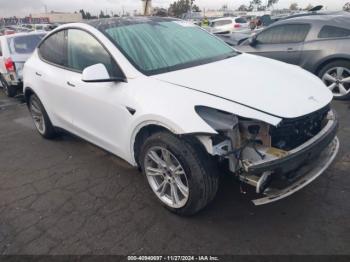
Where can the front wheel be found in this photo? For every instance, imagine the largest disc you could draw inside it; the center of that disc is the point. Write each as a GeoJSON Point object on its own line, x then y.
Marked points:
{"type": "Point", "coordinates": [336, 76]}
{"type": "Point", "coordinates": [180, 173]}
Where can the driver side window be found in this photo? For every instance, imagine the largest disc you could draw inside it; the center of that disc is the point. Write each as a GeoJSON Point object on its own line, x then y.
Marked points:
{"type": "Point", "coordinates": [283, 34]}
{"type": "Point", "coordinates": [84, 50]}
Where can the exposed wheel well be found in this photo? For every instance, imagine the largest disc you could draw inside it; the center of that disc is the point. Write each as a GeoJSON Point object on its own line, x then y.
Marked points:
{"type": "Point", "coordinates": [149, 130]}
{"type": "Point", "coordinates": [145, 132]}
{"type": "Point", "coordinates": [319, 68]}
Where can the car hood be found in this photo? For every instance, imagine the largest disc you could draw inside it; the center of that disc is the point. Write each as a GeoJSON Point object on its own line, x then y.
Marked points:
{"type": "Point", "coordinates": [264, 84]}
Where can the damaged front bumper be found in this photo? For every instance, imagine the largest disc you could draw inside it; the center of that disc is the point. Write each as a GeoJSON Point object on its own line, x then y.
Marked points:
{"type": "Point", "coordinates": [302, 165]}
{"type": "Point", "coordinates": [274, 172]}
{"type": "Point", "coordinates": [308, 173]}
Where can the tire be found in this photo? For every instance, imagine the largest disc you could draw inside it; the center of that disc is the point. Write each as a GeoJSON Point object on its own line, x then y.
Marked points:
{"type": "Point", "coordinates": [9, 90]}
{"type": "Point", "coordinates": [41, 119]}
{"type": "Point", "coordinates": [335, 81]}
{"type": "Point", "coordinates": [197, 167]}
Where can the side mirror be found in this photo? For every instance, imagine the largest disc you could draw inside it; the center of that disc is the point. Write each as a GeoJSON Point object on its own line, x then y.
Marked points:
{"type": "Point", "coordinates": [99, 73]}
{"type": "Point", "coordinates": [252, 41]}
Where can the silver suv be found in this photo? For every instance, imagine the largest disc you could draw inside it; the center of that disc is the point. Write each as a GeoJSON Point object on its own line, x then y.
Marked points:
{"type": "Point", "coordinates": [15, 49]}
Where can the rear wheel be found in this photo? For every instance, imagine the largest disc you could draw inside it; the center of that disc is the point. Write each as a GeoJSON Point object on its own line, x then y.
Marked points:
{"type": "Point", "coordinates": [40, 117]}
{"type": "Point", "coordinates": [180, 173]}
{"type": "Point", "coordinates": [9, 90]}
{"type": "Point", "coordinates": [336, 76]}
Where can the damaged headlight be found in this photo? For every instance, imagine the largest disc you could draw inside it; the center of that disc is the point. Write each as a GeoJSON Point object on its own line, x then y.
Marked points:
{"type": "Point", "coordinates": [217, 119]}
{"type": "Point", "coordinates": [240, 140]}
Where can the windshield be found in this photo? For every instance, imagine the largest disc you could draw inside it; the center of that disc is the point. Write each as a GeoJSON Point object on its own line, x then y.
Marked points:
{"type": "Point", "coordinates": [158, 47]}
{"type": "Point", "coordinates": [24, 44]}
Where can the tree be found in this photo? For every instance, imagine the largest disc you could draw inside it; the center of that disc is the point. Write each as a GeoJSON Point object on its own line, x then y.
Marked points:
{"type": "Point", "coordinates": [294, 6]}
{"type": "Point", "coordinates": [347, 7]}
{"type": "Point", "coordinates": [255, 4]}
{"type": "Point", "coordinates": [181, 7]}
{"type": "Point", "coordinates": [243, 8]}
{"type": "Point", "coordinates": [308, 7]}
{"type": "Point", "coordinates": [102, 15]}
{"type": "Point", "coordinates": [83, 13]}
{"type": "Point", "coordinates": [86, 15]}
{"type": "Point", "coordinates": [270, 3]}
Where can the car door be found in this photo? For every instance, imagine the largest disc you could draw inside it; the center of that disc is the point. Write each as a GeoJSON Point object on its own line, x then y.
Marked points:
{"type": "Point", "coordinates": [99, 113]}
{"type": "Point", "coordinates": [282, 42]}
{"type": "Point", "coordinates": [50, 78]}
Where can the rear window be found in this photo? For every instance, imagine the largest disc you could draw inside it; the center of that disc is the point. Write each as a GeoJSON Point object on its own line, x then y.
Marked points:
{"type": "Point", "coordinates": [24, 44]}
{"type": "Point", "coordinates": [221, 22]}
{"type": "Point", "coordinates": [241, 20]}
{"type": "Point", "coordinates": [333, 32]}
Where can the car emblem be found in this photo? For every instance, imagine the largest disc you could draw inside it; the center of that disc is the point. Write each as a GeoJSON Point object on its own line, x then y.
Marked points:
{"type": "Point", "coordinates": [313, 98]}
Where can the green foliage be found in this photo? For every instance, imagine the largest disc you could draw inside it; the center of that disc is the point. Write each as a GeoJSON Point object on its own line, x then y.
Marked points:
{"type": "Point", "coordinates": [271, 3]}
{"type": "Point", "coordinates": [181, 7]}
{"type": "Point", "coordinates": [87, 15]}
{"type": "Point", "coordinates": [294, 6]}
{"type": "Point", "coordinates": [243, 8]}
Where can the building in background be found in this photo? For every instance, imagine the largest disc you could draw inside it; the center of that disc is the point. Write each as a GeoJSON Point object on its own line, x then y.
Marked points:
{"type": "Point", "coordinates": [59, 17]}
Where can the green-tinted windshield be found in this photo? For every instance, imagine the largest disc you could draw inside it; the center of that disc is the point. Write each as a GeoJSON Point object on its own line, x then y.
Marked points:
{"type": "Point", "coordinates": [167, 46]}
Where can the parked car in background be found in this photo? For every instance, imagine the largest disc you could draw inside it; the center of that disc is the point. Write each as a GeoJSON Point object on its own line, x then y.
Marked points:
{"type": "Point", "coordinates": [7, 31]}
{"type": "Point", "coordinates": [234, 39]}
{"type": "Point", "coordinates": [227, 25]}
{"type": "Point", "coordinates": [319, 44]}
{"type": "Point", "coordinates": [268, 123]}
{"type": "Point", "coordinates": [15, 49]}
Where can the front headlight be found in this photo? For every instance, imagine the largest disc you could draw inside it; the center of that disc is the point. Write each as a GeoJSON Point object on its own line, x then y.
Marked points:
{"type": "Point", "coordinates": [217, 119]}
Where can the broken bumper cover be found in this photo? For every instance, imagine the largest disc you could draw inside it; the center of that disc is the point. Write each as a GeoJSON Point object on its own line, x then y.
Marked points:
{"type": "Point", "coordinates": [307, 174]}
{"type": "Point", "coordinates": [296, 157]}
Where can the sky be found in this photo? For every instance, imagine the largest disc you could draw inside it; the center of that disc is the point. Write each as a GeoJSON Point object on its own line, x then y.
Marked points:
{"type": "Point", "coordinates": [25, 7]}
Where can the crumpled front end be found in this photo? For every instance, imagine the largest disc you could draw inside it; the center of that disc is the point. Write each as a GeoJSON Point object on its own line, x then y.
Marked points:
{"type": "Point", "coordinates": [277, 161]}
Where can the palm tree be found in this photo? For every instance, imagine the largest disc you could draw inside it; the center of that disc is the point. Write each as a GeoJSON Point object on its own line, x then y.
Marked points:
{"type": "Point", "coordinates": [146, 7]}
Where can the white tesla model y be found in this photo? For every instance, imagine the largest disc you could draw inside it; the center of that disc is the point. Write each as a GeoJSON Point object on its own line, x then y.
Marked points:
{"type": "Point", "coordinates": [179, 103]}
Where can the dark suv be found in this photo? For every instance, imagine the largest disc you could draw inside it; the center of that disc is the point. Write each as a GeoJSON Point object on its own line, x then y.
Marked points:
{"type": "Point", "coordinates": [318, 43]}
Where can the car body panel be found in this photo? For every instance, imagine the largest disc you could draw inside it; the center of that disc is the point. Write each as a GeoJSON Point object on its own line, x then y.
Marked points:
{"type": "Point", "coordinates": [101, 125]}
{"type": "Point", "coordinates": [228, 28]}
{"type": "Point", "coordinates": [114, 128]}
{"type": "Point", "coordinates": [254, 81]}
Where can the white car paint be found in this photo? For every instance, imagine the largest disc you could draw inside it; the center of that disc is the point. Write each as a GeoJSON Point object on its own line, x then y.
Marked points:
{"type": "Point", "coordinates": [98, 112]}
{"type": "Point", "coordinates": [228, 26]}
{"type": "Point", "coordinates": [264, 84]}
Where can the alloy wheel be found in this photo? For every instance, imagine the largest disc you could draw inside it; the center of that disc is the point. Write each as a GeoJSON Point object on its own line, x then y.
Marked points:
{"type": "Point", "coordinates": [166, 177]}
{"type": "Point", "coordinates": [337, 79]}
{"type": "Point", "coordinates": [37, 115]}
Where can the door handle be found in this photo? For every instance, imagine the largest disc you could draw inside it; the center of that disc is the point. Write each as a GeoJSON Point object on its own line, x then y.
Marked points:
{"type": "Point", "coordinates": [291, 50]}
{"type": "Point", "coordinates": [38, 74]}
{"type": "Point", "coordinates": [70, 84]}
